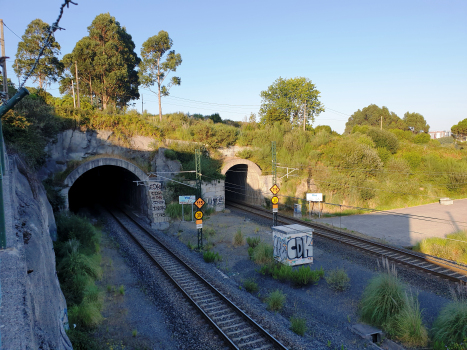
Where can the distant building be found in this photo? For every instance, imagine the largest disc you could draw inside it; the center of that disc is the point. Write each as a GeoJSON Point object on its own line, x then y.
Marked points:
{"type": "Point", "coordinates": [439, 134]}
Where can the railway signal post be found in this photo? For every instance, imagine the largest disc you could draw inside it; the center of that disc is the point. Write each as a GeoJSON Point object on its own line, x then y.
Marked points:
{"type": "Point", "coordinates": [199, 221]}
{"type": "Point", "coordinates": [275, 203]}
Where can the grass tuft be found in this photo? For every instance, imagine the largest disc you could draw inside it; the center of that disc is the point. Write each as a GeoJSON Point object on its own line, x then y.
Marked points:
{"type": "Point", "coordinates": [453, 247]}
{"type": "Point", "coordinates": [407, 325]}
{"type": "Point", "coordinates": [450, 327]}
{"type": "Point", "coordinates": [382, 299]}
{"type": "Point", "coordinates": [239, 238]}
{"type": "Point", "coordinates": [338, 280]}
{"type": "Point", "coordinates": [263, 254]}
{"type": "Point", "coordinates": [275, 300]}
{"type": "Point", "coordinates": [298, 325]}
{"type": "Point", "coordinates": [121, 290]}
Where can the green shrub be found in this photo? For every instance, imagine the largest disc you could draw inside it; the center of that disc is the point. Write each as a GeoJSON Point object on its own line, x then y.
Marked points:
{"type": "Point", "coordinates": [450, 327]}
{"type": "Point", "coordinates": [82, 340]}
{"type": "Point", "coordinates": [413, 159]}
{"type": "Point", "coordinates": [174, 210]}
{"type": "Point", "coordinates": [298, 325]}
{"type": "Point", "coordinates": [85, 315]}
{"type": "Point", "coordinates": [210, 257]}
{"type": "Point", "coordinates": [238, 239]}
{"type": "Point", "coordinates": [422, 138]}
{"type": "Point", "coordinates": [384, 154]}
{"type": "Point", "coordinates": [338, 280]}
{"type": "Point", "coordinates": [71, 226]}
{"type": "Point", "coordinates": [253, 241]}
{"type": "Point", "coordinates": [384, 138]}
{"type": "Point", "coordinates": [263, 253]}
{"type": "Point", "coordinates": [250, 285]}
{"type": "Point", "coordinates": [304, 275]}
{"type": "Point", "coordinates": [382, 299]}
{"type": "Point", "coordinates": [251, 250]}
{"type": "Point", "coordinates": [282, 272]}
{"type": "Point", "coordinates": [275, 300]}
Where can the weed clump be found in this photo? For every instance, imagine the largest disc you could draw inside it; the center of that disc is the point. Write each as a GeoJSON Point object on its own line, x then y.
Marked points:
{"type": "Point", "coordinates": [263, 254]}
{"type": "Point", "coordinates": [253, 241]}
{"type": "Point", "coordinates": [210, 257]}
{"type": "Point", "coordinates": [238, 239]}
{"type": "Point", "coordinates": [298, 325]}
{"type": "Point", "coordinates": [275, 300]}
{"type": "Point", "coordinates": [338, 280]}
{"type": "Point", "coordinates": [250, 285]}
{"type": "Point", "coordinates": [305, 275]}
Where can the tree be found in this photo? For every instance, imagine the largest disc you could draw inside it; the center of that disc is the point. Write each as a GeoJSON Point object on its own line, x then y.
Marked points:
{"type": "Point", "coordinates": [293, 100]}
{"type": "Point", "coordinates": [460, 129]}
{"type": "Point", "coordinates": [415, 122]}
{"type": "Point", "coordinates": [83, 56]}
{"type": "Point", "coordinates": [106, 63]}
{"type": "Point", "coordinates": [49, 67]}
{"type": "Point", "coordinates": [153, 70]}
{"type": "Point", "coordinates": [371, 116]}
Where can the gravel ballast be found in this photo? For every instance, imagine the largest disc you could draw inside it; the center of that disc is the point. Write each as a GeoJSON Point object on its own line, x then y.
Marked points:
{"type": "Point", "coordinates": [329, 315]}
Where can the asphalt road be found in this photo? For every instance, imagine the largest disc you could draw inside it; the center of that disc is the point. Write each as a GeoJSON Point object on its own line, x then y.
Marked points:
{"type": "Point", "coordinates": [405, 227]}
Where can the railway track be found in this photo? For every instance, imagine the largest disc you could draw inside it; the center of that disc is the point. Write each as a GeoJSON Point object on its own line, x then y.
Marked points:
{"type": "Point", "coordinates": [236, 328]}
{"type": "Point", "coordinates": [429, 264]}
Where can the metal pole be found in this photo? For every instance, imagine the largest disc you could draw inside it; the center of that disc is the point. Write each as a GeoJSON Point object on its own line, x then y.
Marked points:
{"type": "Point", "coordinates": [183, 215]}
{"type": "Point", "coordinates": [5, 78]}
{"type": "Point", "coordinates": [191, 212]}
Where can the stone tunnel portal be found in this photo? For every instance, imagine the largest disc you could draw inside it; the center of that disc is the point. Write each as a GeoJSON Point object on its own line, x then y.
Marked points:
{"type": "Point", "coordinates": [243, 181]}
{"type": "Point", "coordinates": [106, 181]}
{"type": "Point", "coordinates": [107, 185]}
{"type": "Point", "coordinates": [236, 183]}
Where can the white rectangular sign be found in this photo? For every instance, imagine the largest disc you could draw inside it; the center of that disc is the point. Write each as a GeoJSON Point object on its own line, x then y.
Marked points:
{"type": "Point", "coordinates": [314, 197]}
{"type": "Point", "coordinates": [199, 225]}
{"type": "Point", "coordinates": [186, 199]}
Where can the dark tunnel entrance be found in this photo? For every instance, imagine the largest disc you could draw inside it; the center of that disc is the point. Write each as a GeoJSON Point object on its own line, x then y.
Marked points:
{"type": "Point", "coordinates": [236, 183]}
{"type": "Point", "coordinates": [107, 185]}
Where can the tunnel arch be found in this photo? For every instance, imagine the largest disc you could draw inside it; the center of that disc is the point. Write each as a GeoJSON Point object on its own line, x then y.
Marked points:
{"type": "Point", "coordinates": [91, 166]}
{"type": "Point", "coordinates": [243, 181]}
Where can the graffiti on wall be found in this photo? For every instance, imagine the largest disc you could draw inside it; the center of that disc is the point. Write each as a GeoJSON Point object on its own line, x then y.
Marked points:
{"type": "Point", "coordinates": [219, 200]}
{"type": "Point", "coordinates": [293, 249]}
{"type": "Point", "coordinates": [157, 201]}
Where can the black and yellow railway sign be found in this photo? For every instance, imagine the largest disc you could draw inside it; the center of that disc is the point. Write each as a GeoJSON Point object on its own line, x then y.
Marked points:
{"type": "Point", "coordinates": [198, 215]}
{"type": "Point", "coordinates": [199, 202]}
{"type": "Point", "coordinates": [274, 200]}
{"type": "Point", "coordinates": [274, 189]}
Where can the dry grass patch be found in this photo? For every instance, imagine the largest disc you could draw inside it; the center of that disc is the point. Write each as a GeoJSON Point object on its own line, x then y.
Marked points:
{"type": "Point", "coordinates": [453, 247]}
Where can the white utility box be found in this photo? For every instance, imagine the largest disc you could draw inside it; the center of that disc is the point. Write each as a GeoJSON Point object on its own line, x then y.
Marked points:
{"type": "Point", "coordinates": [293, 244]}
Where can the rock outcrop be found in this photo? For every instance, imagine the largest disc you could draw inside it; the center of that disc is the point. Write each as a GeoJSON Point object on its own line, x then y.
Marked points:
{"type": "Point", "coordinates": [33, 309]}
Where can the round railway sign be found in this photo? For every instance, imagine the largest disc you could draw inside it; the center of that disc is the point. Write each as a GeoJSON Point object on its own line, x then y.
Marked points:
{"type": "Point", "coordinates": [274, 200]}
{"type": "Point", "coordinates": [198, 215]}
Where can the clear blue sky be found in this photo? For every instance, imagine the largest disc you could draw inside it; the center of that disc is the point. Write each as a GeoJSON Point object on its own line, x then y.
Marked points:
{"type": "Point", "coordinates": [406, 55]}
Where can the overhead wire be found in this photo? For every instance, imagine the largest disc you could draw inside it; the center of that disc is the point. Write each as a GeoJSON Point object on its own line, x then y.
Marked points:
{"type": "Point", "coordinates": [11, 30]}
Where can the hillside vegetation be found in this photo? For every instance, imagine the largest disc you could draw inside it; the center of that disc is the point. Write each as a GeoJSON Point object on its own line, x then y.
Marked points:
{"type": "Point", "coordinates": [367, 167]}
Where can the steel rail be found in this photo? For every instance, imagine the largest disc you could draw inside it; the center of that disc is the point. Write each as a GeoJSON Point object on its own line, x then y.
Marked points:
{"type": "Point", "coordinates": [429, 264]}
{"type": "Point", "coordinates": [275, 344]}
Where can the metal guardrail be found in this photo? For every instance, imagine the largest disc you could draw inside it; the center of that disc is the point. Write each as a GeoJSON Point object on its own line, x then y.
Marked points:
{"type": "Point", "coordinates": [3, 109]}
